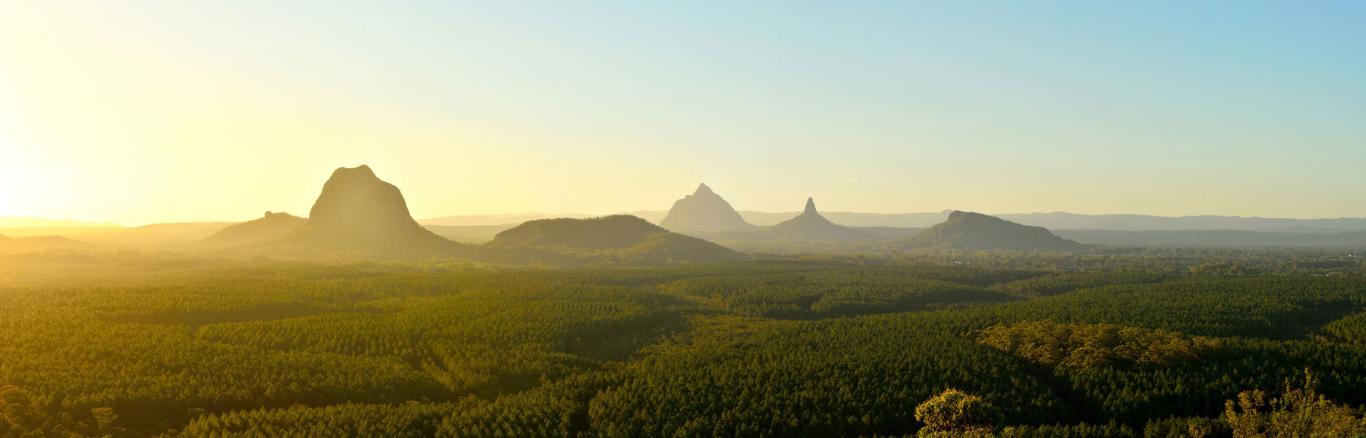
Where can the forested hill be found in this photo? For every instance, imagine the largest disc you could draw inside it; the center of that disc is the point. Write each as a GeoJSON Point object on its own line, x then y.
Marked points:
{"type": "Point", "coordinates": [621, 238]}
{"type": "Point", "coordinates": [975, 231]}
{"type": "Point", "coordinates": [267, 227]}
{"type": "Point", "coordinates": [608, 232]}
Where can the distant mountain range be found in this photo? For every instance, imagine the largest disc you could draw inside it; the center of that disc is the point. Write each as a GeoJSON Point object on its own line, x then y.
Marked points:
{"type": "Point", "coordinates": [1052, 221]}
{"type": "Point", "coordinates": [510, 220]}
{"type": "Point", "coordinates": [359, 212]}
{"type": "Point", "coordinates": [154, 234]}
{"type": "Point", "coordinates": [38, 243]}
{"type": "Point", "coordinates": [808, 226]}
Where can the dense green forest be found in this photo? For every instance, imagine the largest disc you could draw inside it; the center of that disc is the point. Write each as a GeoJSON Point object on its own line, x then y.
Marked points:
{"type": "Point", "coordinates": [1154, 343]}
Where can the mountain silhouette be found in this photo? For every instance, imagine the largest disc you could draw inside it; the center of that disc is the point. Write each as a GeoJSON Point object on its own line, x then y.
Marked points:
{"type": "Point", "coordinates": [704, 211]}
{"type": "Point", "coordinates": [39, 243]}
{"type": "Point", "coordinates": [810, 225]}
{"type": "Point", "coordinates": [358, 212]}
{"type": "Point", "coordinates": [269, 226]}
{"type": "Point", "coordinates": [975, 231]}
{"type": "Point", "coordinates": [618, 239]}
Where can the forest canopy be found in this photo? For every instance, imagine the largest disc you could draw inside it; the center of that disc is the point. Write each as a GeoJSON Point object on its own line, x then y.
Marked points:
{"type": "Point", "coordinates": [158, 344]}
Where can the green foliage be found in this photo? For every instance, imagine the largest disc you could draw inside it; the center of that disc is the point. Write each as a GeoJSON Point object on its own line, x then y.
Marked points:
{"type": "Point", "coordinates": [1058, 283]}
{"type": "Point", "coordinates": [1087, 346]}
{"type": "Point", "coordinates": [142, 344]}
{"type": "Point", "coordinates": [846, 292]}
{"type": "Point", "coordinates": [22, 414]}
{"type": "Point", "coordinates": [1083, 430]}
{"type": "Point", "coordinates": [406, 420]}
{"type": "Point", "coordinates": [1272, 307]}
{"type": "Point", "coordinates": [1299, 412]}
{"type": "Point", "coordinates": [844, 377]}
{"type": "Point", "coordinates": [1195, 427]}
{"type": "Point", "coordinates": [1351, 330]}
{"type": "Point", "coordinates": [954, 414]}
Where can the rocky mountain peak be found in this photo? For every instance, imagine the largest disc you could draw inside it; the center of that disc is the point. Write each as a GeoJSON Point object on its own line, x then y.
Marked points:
{"type": "Point", "coordinates": [358, 211]}
{"type": "Point", "coordinates": [704, 211]}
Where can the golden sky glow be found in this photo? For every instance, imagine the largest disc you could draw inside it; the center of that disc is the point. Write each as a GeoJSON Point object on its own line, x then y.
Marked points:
{"type": "Point", "coordinates": [140, 112]}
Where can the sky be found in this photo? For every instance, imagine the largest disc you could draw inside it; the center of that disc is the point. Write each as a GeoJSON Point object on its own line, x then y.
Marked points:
{"type": "Point", "coordinates": [139, 112]}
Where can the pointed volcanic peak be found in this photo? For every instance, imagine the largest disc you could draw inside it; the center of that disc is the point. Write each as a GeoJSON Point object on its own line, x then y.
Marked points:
{"type": "Point", "coordinates": [974, 231]}
{"type": "Point", "coordinates": [358, 212]}
{"type": "Point", "coordinates": [704, 211]}
{"type": "Point", "coordinates": [270, 226]}
{"type": "Point", "coordinates": [617, 238]}
{"type": "Point", "coordinates": [810, 225]}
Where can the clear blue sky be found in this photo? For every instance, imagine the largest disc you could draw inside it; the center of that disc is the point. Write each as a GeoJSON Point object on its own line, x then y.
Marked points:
{"type": "Point", "coordinates": [140, 112]}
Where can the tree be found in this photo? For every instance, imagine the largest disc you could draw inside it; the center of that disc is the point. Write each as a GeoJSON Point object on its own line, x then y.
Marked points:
{"type": "Point", "coordinates": [1299, 413]}
{"type": "Point", "coordinates": [955, 414]}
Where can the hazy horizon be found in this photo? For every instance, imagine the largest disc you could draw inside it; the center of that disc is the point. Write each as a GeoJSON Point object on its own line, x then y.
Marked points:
{"type": "Point", "coordinates": [152, 112]}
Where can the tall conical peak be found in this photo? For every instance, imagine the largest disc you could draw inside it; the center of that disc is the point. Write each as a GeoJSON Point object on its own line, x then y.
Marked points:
{"type": "Point", "coordinates": [704, 210]}
{"type": "Point", "coordinates": [810, 206]}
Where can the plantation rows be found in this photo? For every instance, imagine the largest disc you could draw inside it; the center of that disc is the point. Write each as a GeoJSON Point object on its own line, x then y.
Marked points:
{"type": "Point", "coordinates": [148, 345]}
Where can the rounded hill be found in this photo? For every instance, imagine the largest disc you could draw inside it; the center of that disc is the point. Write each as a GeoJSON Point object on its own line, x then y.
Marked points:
{"type": "Point", "coordinates": [267, 227]}
{"type": "Point", "coordinates": [617, 238]}
{"type": "Point", "coordinates": [975, 231]}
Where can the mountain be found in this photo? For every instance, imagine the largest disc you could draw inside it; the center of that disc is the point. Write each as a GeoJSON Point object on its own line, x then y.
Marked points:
{"type": "Point", "coordinates": [172, 234]}
{"type": "Point", "coordinates": [618, 238]}
{"type": "Point", "coordinates": [269, 226]}
{"type": "Point", "coordinates": [704, 211]}
{"type": "Point", "coordinates": [852, 219]}
{"type": "Point", "coordinates": [512, 220]}
{"type": "Point", "coordinates": [495, 219]}
{"type": "Point", "coordinates": [975, 231]}
{"type": "Point", "coordinates": [358, 212]}
{"type": "Point", "coordinates": [38, 243]}
{"type": "Point", "coordinates": [810, 225]}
